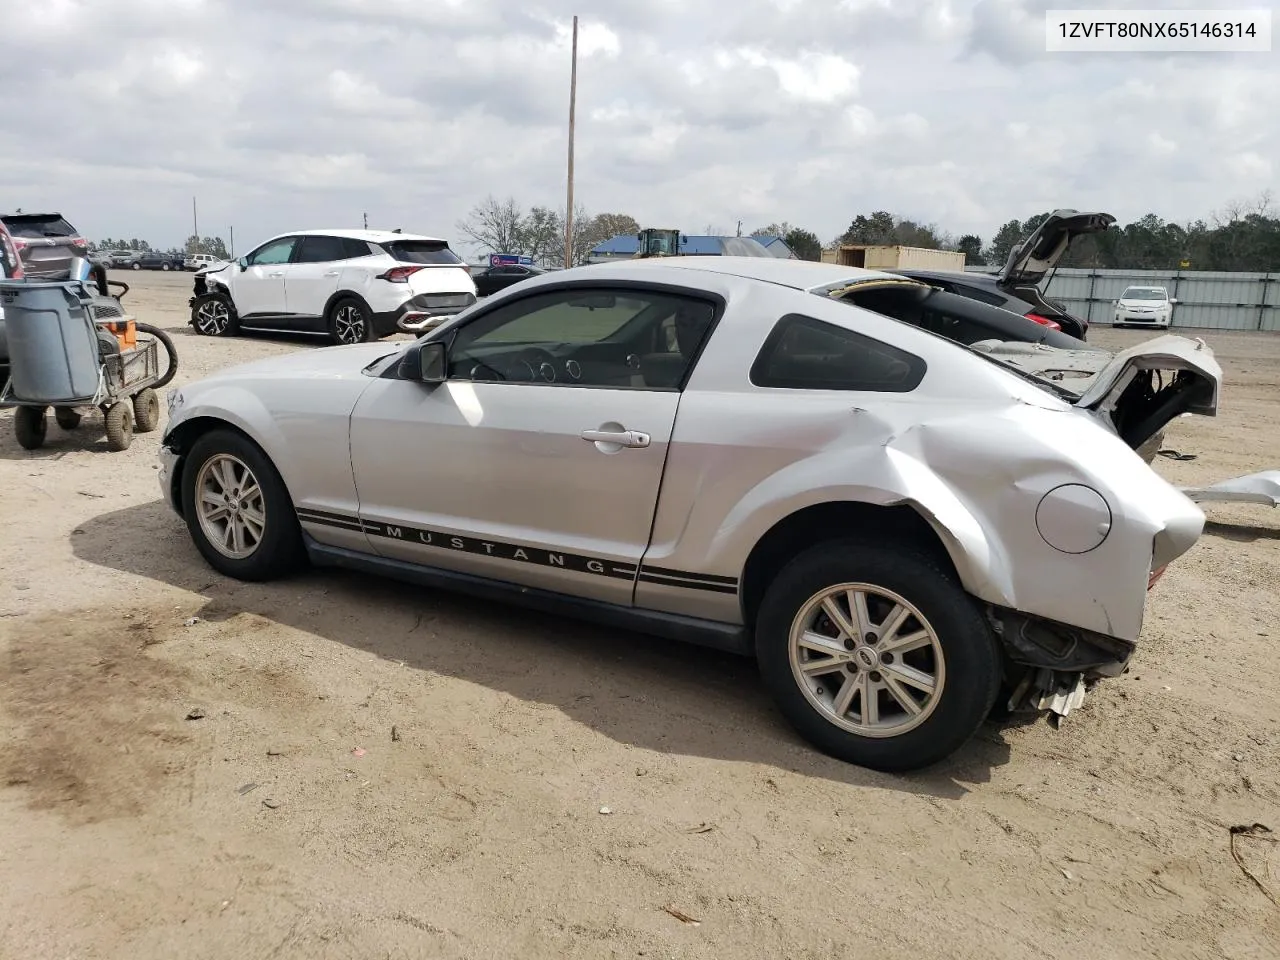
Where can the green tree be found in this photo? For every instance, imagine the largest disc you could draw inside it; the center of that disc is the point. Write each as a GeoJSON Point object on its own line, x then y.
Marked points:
{"type": "Point", "coordinates": [805, 243]}
{"type": "Point", "coordinates": [971, 246]}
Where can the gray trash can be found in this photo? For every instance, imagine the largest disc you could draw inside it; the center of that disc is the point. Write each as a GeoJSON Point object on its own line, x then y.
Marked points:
{"type": "Point", "coordinates": [53, 343]}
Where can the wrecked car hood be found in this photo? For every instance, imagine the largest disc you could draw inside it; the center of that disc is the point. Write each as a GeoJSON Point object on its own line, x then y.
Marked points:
{"type": "Point", "coordinates": [1035, 256]}
{"type": "Point", "coordinates": [1137, 391]}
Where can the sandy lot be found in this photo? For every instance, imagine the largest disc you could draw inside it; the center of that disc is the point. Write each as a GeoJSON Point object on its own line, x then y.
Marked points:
{"type": "Point", "coordinates": [382, 771]}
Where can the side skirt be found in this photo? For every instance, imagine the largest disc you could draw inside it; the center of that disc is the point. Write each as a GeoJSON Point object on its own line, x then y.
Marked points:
{"type": "Point", "coordinates": [731, 638]}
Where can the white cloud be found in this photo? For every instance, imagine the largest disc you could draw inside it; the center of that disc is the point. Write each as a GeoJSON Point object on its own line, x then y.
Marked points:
{"type": "Point", "coordinates": [306, 112]}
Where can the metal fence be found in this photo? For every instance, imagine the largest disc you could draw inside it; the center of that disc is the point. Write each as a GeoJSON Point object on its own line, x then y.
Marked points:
{"type": "Point", "coordinates": [1216, 301]}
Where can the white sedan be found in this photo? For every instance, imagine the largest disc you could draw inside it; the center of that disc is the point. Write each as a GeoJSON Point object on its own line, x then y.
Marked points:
{"type": "Point", "coordinates": [901, 529]}
{"type": "Point", "coordinates": [1144, 306]}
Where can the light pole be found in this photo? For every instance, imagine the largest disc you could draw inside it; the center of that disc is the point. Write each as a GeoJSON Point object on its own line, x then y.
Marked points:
{"type": "Point", "coordinates": [568, 203]}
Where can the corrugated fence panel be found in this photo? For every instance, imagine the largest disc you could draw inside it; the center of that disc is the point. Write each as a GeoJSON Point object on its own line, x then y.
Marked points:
{"type": "Point", "coordinates": [1216, 301]}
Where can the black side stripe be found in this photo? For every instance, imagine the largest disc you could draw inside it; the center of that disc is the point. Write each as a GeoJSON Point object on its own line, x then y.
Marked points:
{"type": "Point", "coordinates": [647, 577]}
{"type": "Point", "coordinates": [695, 577]}
{"type": "Point", "coordinates": [521, 554]}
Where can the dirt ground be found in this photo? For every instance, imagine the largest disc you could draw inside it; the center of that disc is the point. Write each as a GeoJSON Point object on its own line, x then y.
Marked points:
{"type": "Point", "coordinates": [381, 771]}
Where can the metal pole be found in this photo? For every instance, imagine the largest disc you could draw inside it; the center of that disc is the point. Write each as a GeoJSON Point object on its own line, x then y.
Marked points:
{"type": "Point", "coordinates": [233, 240]}
{"type": "Point", "coordinates": [568, 203]}
{"type": "Point", "coordinates": [195, 224]}
{"type": "Point", "coordinates": [366, 220]}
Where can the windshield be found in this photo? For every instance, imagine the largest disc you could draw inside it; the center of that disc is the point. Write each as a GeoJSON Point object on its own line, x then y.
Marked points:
{"type": "Point", "coordinates": [1145, 293]}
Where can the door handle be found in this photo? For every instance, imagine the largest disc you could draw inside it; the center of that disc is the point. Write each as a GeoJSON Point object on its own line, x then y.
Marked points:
{"type": "Point", "coordinates": [331, 273]}
{"type": "Point", "coordinates": [623, 438]}
{"type": "Point", "coordinates": [279, 273]}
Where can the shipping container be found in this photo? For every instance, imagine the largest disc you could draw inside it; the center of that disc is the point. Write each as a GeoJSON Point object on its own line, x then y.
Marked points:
{"type": "Point", "coordinates": [897, 257]}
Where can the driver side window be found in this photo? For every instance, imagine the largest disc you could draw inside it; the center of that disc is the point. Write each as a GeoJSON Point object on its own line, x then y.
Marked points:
{"type": "Point", "coordinates": [276, 252]}
{"type": "Point", "coordinates": [624, 338]}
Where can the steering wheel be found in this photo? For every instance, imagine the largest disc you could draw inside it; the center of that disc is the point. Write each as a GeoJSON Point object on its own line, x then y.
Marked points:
{"type": "Point", "coordinates": [540, 363]}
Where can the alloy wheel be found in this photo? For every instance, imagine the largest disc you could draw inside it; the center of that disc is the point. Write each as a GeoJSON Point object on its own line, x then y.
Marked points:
{"type": "Point", "coordinates": [348, 324]}
{"type": "Point", "coordinates": [212, 317]}
{"type": "Point", "coordinates": [230, 506]}
{"type": "Point", "coordinates": [867, 659]}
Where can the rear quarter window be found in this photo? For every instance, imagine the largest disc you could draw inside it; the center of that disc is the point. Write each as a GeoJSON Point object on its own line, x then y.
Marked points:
{"type": "Point", "coordinates": [422, 251]}
{"type": "Point", "coordinates": [802, 353]}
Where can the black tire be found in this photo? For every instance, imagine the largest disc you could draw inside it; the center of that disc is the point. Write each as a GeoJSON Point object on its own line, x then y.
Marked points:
{"type": "Point", "coordinates": [350, 321]}
{"type": "Point", "coordinates": [119, 419]}
{"type": "Point", "coordinates": [970, 655]}
{"type": "Point", "coordinates": [146, 410]}
{"type": "Point", "coordinates": [279, 551]}
{"type": "Point", "coordinates": [30, 427]}
{"type": "Point", "coordinates": [167, 342]}
{"type": "Point", "coordinates": [214, 315]}
{"type": "Point", "coordinates": [136, 265]}
{"type": "Point", "coordinates": [166, 267]}
{"type": "Point", "coordinates": [68, 418]}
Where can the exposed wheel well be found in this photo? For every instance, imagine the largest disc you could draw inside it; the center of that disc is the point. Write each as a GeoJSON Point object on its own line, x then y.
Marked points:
{"type": "Point", "coordinates": [184, 436]}
{"type": "Point", "coordinates": [830, 521]}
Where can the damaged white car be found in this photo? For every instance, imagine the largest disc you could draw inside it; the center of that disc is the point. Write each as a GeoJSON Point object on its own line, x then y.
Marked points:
{"type": "Point", "coordinates": [901, 528]}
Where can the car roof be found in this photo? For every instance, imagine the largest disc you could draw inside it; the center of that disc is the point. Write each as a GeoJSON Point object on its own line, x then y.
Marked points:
{"type": "Point", "coordinates": [372, 236]}
{"type": "Point", "coordinates": [796, 274]}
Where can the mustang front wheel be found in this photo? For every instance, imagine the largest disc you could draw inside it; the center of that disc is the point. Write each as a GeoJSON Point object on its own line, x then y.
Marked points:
{"type": "Point", "coordinates": [238, 510]}
{"type": "Point", "coordinates": [876, 655]}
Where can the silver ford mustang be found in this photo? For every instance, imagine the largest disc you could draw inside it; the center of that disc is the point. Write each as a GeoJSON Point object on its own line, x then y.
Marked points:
{"type": "Point", "coordinates": [906, 531]}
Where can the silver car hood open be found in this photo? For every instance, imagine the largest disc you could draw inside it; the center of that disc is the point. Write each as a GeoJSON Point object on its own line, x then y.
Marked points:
{"type": "Point", "coordinates": [1035, 256]}
{"type": "Point", "coordinates": [1137, 391]}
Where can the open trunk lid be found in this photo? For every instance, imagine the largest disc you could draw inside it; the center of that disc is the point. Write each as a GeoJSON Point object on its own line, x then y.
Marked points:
{"type": "Point", "coordinates": [1135, 392]}
{"type": "Point", "coordinates": [1035, 256]}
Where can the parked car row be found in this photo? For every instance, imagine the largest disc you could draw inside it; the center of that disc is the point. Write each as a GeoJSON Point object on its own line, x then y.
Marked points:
{"type": "Point", "coordinates": [891, 495]}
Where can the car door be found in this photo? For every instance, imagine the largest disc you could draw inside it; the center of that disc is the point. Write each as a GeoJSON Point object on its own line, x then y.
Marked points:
{"type": "Point", "coordinates": [312, 278]}
{"type": "Point", "coordinates": [259, 288]}
{"type": "Point", "coordinates": [538, 461]}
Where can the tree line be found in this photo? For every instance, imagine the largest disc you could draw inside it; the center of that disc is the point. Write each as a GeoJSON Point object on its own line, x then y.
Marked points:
{"type": "Point", "coordinates": [1242, 237]}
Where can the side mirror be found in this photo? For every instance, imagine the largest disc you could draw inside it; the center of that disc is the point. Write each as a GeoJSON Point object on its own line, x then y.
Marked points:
{"type": "Point", "coordinates": [425, 362]}
{"type": "Point", "coordinates": [244, 263]}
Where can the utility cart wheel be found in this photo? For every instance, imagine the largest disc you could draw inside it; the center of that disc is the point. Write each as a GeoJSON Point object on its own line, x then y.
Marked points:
{"type": "Point", "coordinates": [119, 426]}
{"type": "Point", "coordinates": [30, 427]}
{"type": "Point", "coordinates": [146, 410]}
{"type": "Point", "coordinates": [67, 417]}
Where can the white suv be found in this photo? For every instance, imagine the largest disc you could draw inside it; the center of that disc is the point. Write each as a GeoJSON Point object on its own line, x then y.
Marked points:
{"type": "Point", "coordinates": [198, 261]}
{"type": "Point", "coordinates": [354, 285]}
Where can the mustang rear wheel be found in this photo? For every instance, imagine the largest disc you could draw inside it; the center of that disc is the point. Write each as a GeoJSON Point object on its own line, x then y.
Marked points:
{"type": "Point", "coordinates": [238, 510]}
{"type": "Point", "coordinates": [876, 655]}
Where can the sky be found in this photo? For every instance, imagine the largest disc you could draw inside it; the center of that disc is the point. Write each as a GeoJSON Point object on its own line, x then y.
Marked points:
{"type": "Point", "coordinates": [281, 115]}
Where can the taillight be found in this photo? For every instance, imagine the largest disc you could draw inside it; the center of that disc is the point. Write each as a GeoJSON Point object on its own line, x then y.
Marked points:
{"type": "Point", "coordinates": [1044, 321]}
{"type": "Point", "coordinates": [11, 254]}
{"type": "Point", "coordinates": [399, 274]}
{"type": "Point", "coordinates": [80, 242]}
{"type": "Point", "coordinates": [1156, 574]}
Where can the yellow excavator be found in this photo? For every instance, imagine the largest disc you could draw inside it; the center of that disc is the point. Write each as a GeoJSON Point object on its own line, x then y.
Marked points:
{"type": "Point", "coordinates": [657, 243]}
